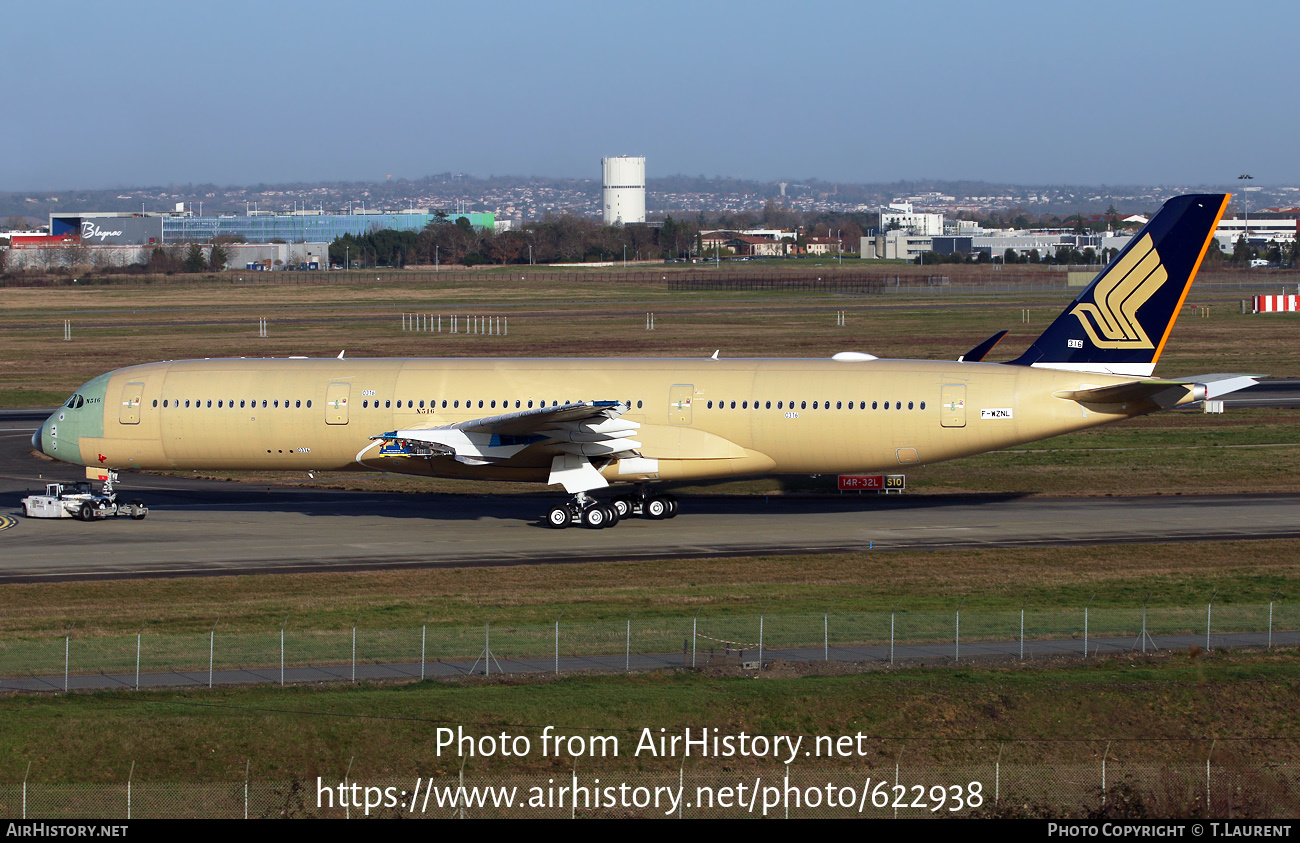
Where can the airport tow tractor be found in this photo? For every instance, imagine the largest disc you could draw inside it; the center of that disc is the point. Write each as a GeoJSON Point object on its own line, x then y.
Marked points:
{"type": "Point", "coordinates": [79, 500]}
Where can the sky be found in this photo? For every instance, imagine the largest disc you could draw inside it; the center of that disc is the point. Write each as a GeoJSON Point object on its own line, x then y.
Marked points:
{"type": "Point", "coordinates": [150, 93]}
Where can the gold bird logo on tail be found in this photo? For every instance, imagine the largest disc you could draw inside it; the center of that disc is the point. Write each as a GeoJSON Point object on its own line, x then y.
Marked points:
{"type": "Point", "coordinates": [1111, 318]}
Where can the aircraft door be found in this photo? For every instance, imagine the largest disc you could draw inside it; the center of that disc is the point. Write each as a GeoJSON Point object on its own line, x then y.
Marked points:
{"type": "Point", "coordinates": [336, 403]}
{"type": "Point", "coordinates": [679, 403]}
{"type": "Point", "coordinates": [129, 413]}
{"type": "Point", "coordinates": [952, 405]}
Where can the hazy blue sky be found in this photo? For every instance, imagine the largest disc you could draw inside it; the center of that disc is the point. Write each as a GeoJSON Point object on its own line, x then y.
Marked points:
{"type": "Point", "coordinates": [140, 93]}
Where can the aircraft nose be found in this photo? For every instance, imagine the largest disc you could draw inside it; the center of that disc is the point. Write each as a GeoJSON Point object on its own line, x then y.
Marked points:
{"type": "Point", "coordinates": [36, 437]}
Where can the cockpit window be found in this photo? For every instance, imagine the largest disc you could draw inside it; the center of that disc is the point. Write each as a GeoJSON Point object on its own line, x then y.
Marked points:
{"type": "Point", "coordinates": [75, 402]}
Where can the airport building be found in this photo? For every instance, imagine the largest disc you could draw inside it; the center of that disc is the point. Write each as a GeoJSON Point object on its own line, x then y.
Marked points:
{"type": "Point", "coordinates": [900, 216]}
{"type": "Point", "coordinates": [1257, 231]}
{"type": "Point", "coordinates": [137, 229]}
{"type": "Point", "coordinates": [623, 197]}
{"type": "Point", "coordinates": [70, 254]}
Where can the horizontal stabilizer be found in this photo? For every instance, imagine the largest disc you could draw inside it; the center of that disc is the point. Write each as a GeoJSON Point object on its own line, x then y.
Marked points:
{"type": "Point", "coordinates": [1220, 384]}
{"type": "Point", "coordinates": [1163, 394]}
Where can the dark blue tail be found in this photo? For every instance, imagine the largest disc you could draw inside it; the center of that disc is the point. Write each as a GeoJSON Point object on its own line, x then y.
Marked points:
{"type": "Point", "coordinates": [1120, 323]}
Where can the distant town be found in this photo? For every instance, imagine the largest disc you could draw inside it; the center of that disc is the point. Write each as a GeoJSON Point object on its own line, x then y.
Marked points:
{"type": "Point", "coordinates": [534, 198]}
{"type": "Point", "coordinates": [459, 220]}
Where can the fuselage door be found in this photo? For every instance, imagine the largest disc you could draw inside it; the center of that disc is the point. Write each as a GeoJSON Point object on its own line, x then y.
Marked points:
{"type": "Point", "coordinates": [130, 410]}
{"type": "Point", "coordinates": [336, 403]}
{"type": "Point", "coordinates": [952, 405]}
{"type": "Point", "coordinates": [679, 403]}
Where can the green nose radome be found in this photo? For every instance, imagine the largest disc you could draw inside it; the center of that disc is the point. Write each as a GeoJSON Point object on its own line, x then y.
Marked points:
{"type": "Point", "coordinates": [82, 415]}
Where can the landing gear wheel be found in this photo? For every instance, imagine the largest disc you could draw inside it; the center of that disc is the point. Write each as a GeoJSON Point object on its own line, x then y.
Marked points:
{"type": "Point", "coordinates": [86, 513]}
{"type": "Point", "coordinates": [596, 517]}
{"type": "Point", "coordinates": [558, 517]}
{"type": "Point", "coordinates": [622, 506]}
{"type": "Point", "coordinates": [656, 509]}
{"type": "Point", "coordinates": [672, 506]}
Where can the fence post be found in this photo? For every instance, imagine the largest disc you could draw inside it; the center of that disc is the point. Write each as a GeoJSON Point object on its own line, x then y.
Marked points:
{"type": "Point", "coordinates": [1103, 773]}
{"type": "Point", "coordinates": [956, 647]}
{"type": "Point", "coordinates": [826, 634]}
{"type": "Point", "coordinates": [557, 641]}
{"type": "Point", "coordinates": [627, 664]}
{"type": "Point", "coordinates": [1207, 776]}
{"type": "Point", "coordinates": [67, 646]}
{"type": "Point", "coordinates": [997, 776]}
{"type": "Point", "coordinates": [1270, 618]}
{"type": "Point", "coordinates": [212, 648]}
{"type": "Point", "coordinates": [129, 776]}
{"type": "Point", "coordinates": [695, 634]}
{"type": "Point", "coordinates": [891, 629]}
{"type": "Point", "coordinates": [1022, 630]}
{"type": "Point", "coordinates": [1208, 608]}
{"type": "Point", "coordinates": [286, 620]}
{"type": "Point", "coordinates": [1085, 624]}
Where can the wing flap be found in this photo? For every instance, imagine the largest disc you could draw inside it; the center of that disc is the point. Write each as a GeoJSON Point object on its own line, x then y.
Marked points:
{"type": "Point", "coordinates": [586, 429]}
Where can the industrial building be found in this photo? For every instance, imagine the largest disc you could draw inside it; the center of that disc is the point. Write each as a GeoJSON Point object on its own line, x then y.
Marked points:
{"type": "Point", "coordinates": [623, 197]}
{"type": "Point", "coordinates": [136, 229]}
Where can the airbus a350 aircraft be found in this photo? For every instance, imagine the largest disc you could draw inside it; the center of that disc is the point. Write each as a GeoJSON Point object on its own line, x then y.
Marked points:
{"type": "Point", "coordinates": [587, 423]}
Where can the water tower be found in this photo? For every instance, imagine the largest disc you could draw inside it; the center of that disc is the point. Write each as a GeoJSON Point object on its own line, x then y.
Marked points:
{"type": "Point", "coordinates": [624, 194]}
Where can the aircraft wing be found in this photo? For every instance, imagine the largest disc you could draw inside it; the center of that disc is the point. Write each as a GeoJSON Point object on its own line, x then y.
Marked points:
{"type": "Point", "coordinates": [585, 428]}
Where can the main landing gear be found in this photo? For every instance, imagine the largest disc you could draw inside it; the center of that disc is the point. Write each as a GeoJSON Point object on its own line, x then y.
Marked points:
{"type": "Point", "coordinates": [589, 512]}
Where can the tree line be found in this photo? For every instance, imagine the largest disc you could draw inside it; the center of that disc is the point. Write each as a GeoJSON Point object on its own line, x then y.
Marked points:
{"type": "Point", "coordinates": [571, 239]}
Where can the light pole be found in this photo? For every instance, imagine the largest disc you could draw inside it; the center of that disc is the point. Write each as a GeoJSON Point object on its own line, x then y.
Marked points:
{"type": "Point", "coordinates": [1245, 201]}
{"type": "Point", "coordinates": [839, 246]}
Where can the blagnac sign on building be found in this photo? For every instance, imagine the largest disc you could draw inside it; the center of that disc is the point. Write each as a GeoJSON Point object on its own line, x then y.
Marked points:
{"type": "Point", "coordinates": [109, 229]}
{"type": "Point", "coordinates": [90, 231]}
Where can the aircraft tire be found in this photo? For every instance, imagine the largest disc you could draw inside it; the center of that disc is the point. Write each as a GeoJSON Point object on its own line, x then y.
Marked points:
{"type": "Point", "coordinates": [672, 506]}
{"type": "Point", "coordinates": [656, 509]}
{"type": "Point", "coordinates": [595, 517]}
{"type": "Point", "coordinates": [558, 517]}
{"type": "Point", "coordinates": [622, 506]}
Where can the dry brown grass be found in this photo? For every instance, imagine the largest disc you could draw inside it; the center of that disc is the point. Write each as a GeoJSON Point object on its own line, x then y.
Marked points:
{"type": "Point", "coordinates": [1176, 574]}
{"type": "Point", "coordinates": [121, 325]}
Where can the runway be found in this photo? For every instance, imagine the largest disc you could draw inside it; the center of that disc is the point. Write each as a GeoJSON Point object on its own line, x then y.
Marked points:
{"type": "Point", "coordinates": [200, 527]}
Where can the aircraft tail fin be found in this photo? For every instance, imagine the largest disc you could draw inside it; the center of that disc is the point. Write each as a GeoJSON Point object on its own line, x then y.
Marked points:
{"type": "Point", "coordinates": [1119, 324]}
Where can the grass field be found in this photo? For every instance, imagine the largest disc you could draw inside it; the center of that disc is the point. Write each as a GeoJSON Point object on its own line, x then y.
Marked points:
{"type": "Point", "coordinates": [1164, 707]}
{"type": "Point", "coordinates": [949, 714]}
{"type": "Point", "coordinates": [1174, 575]}
{"type": "Point", "coordinates": [125, 324]}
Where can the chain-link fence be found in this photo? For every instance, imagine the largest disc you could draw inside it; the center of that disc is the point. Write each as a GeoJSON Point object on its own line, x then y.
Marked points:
{"type": "Point", "coordinates": [1089, 779]}
{"type": "Point", "coordinates": [156, 657]}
